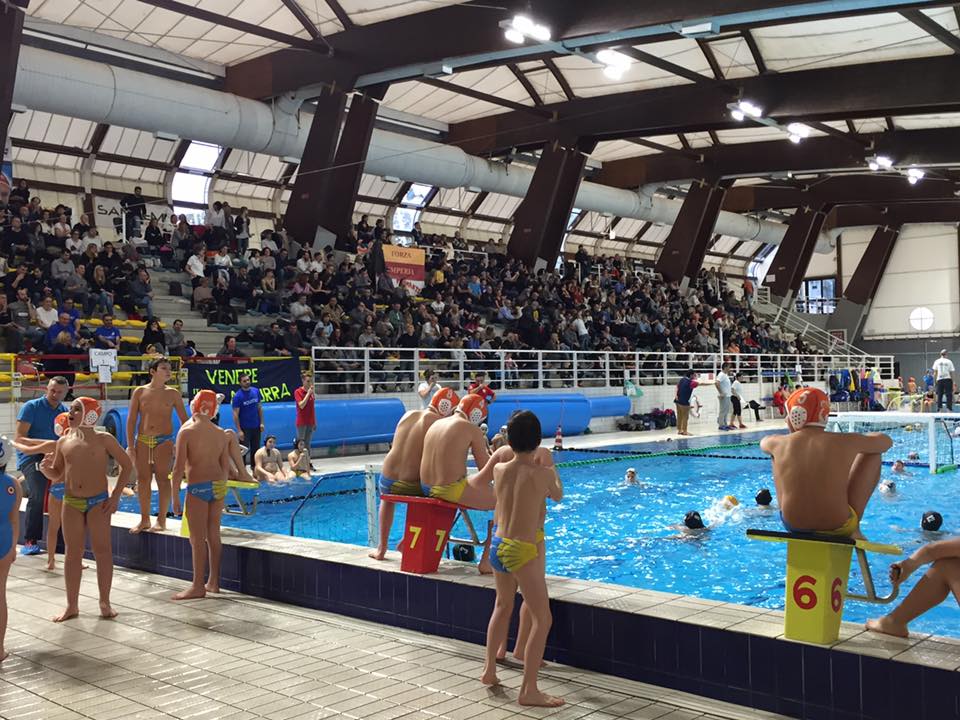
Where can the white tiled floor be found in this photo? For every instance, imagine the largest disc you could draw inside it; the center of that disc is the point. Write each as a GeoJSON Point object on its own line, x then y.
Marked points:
{"type": "Point", "coordinates": [239, 658]}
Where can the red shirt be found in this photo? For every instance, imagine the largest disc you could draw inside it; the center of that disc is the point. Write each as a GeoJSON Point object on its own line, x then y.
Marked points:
{"type": "Point", "coordinates": [307, 415]}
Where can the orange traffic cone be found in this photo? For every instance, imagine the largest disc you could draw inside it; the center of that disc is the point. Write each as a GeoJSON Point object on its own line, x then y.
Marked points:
{"type": "Point", "coordinates": [558, 439]}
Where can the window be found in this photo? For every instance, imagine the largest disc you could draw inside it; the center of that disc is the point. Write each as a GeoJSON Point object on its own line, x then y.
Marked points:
{"type": "Point", "coordinates": [761, 264]}
{"type": "Point", "coordinates": [201, 156]}
{"type": "Point", "coordinates": [817, 296]}
{"type": "Point", "coordinates": [416, 196]}
{"type": "Point", "coordinates": [190, 188]}
{"type": "Point", "coordinates": [404, 219]}
{"type": "Point", "coordinates": [194, 216]}
{"type": "Point", "coordinates": [921, 318]}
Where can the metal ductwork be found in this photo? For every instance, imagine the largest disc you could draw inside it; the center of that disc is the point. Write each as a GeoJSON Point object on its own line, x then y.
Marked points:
{"type": "Point", "coordinates": [103, 93]}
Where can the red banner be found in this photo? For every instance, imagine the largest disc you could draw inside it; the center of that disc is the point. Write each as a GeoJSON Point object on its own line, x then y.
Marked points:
{"type": "Point", "coordinates": [405, 266]}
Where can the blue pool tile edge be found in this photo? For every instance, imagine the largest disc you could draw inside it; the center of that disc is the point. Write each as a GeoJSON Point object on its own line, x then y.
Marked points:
{"type": "Point", "coordinates": [740, 667]}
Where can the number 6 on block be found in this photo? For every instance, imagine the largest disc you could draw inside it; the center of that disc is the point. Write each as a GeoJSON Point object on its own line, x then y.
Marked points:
{"type": "Point", "coordinates": [804, 595]}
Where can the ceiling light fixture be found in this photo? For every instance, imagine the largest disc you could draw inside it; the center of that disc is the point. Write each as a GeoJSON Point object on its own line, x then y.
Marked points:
{"type": "Point", "coordinates": [914, 175]}
{"type": "Point", "coordinates": [615, 64]}
{"type": "Point", "coordinates": [522, 27]}
{"type": "Point", "coordinates": [798, 132]}
{"type": "Point", "coordinates": [741, 110]}
{"type": "Point", "coordinates": [878, 162]}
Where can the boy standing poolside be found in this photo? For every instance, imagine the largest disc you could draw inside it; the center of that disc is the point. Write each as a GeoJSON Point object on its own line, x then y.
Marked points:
{"type": "Point", "coordinates": [521, 486]}
{"type": "Point", "coordinates": [823, 480]}
{"type": "Point", "coordinates": [203, 452]}
{"type": "Point", "coordinates": [80, 461]}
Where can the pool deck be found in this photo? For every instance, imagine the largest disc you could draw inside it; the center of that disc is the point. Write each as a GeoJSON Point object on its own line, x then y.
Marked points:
{"type": "Point", "coordinates": [236, 657]}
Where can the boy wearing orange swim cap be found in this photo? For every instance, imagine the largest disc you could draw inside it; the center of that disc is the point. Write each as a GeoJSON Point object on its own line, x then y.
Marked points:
{"type": "Point", "coordinates": [823, 480]}
{"type": "Point", "coordinates": [400, 474]}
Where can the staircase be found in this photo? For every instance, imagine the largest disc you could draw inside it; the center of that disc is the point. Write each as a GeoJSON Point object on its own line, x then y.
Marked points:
{"type": "Point", "coordinates": [792, 322]}
{"type": "Point", "coordinates": [209, 339]}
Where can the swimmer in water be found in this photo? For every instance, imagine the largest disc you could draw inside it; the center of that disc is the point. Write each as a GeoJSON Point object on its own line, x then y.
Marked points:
{"type": "Point", "coordinates": [931, 521]}
{"type": "Point", "coordinates": [823, 480]}
{"type": "Point", "coordinates": [729, 502]}
{"type": "Point", "coordinates": [692, 525]}
{"type": "Point", "coordinates": [888, 487]}
{"type": "Point", "coordinates": [913, 455]}
{"type": "Point", "coordinates": [899, 467]}
{"type": "Point", "coordinates": [763, 498]}
{"type": "Point", "coordinates": [630, 477]}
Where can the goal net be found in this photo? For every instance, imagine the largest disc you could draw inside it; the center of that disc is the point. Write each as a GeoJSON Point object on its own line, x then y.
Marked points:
{"type": "Point", "coordinates": [919, 439]}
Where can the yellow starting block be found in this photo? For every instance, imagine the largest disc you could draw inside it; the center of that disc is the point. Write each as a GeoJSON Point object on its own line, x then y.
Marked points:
{"type": "Point", "coordinates": [818, 570]}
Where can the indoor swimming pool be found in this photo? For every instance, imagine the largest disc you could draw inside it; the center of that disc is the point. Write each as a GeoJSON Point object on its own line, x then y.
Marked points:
{"type": "Point", "coordinates": [607, 531]}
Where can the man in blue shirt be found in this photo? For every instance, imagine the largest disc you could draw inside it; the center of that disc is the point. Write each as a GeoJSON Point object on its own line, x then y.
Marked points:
{"type": "Point", "coordinates": [64, 324]}
{"type": "Point", "coordinates": [36, 421]}
{"type": "Point", "coordinates": [248, 415]}
{"type": "Point", "coordinates": [107, 336]}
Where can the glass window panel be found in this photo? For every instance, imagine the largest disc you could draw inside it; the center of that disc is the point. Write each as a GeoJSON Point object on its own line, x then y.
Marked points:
{"type": "Point", "coordinates": [201, 156]}
{"type": "Point", "coordinates": [190, 188]}
{"type": "Point", "coordinates": [404, 219]}
{"type": "Point", "coordinates": [417, 195]}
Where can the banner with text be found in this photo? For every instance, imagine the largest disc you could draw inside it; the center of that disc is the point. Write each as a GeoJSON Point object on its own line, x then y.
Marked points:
{"type": "Point", "coordinates": [277, 379]}
{"type": "Point", "coordinates": [405, 266]}
{"type": "Point", "coordinates": [108, 214]}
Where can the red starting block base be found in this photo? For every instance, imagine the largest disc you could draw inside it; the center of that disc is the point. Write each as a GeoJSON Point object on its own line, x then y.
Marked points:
{"type": "Point", "coordinates": [427, 529]}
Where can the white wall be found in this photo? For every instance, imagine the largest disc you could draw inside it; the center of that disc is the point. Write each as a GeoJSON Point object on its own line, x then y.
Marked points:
{"type": "Point", "coordinates": [923, 271]}
{"type": "Point", "coordinates": [823, 264]}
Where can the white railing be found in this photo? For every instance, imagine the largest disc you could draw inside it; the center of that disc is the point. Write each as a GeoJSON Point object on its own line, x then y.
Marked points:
{"type": "Point", "coordinates": [376, 371]}
{"type": "Point", "coordinates": [793, 323]}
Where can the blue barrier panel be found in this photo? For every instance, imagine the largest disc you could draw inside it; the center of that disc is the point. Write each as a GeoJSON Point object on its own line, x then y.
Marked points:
{"type": "Point", "coordinates": [569, 409]}
{"type": "Point", "coordinates": [339, 422]}
{"type": "Point", "coordinates": [608, 405]}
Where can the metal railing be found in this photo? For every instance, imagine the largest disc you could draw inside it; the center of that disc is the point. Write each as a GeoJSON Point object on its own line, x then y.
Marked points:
{"type": "Point", "coordinates": [378, 371]}
{"type": "Point", "coordinates": [790, 322]}
{"type": "Point", "coordinates": [815, 306]}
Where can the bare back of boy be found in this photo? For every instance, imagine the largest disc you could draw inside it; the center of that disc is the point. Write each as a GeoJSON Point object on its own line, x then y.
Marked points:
{"type": "Point", "coordinates": [402, 463]}
{"type": "Point", "coordinates": [521, 492]}
{"type": "Point", "coordinates": [821, 476]}
{"type": "Point", "coordinates": [444, 462]}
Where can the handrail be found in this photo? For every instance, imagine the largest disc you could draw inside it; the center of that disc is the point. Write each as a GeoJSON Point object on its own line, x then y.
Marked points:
{"type": "Point", "coordinates": [790, 321]}
{"type": "Point", "coordinates": [303, 500]}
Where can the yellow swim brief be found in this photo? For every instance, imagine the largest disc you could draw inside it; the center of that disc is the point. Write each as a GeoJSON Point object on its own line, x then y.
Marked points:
{"type": "Point", "coordinates": [541, 536]}
{"type": "Point", "coordinates": [508, 555]}
{"type": "Point", "coordinates": [846, 530]}
{"type": "Point", "coordinates": [450, 493]}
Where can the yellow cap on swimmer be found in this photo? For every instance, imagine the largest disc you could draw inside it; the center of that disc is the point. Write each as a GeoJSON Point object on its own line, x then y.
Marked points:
{"type": "Point", "coordinates": [807, 406]}
{"type": "Point", "coordinates": [731, 500]}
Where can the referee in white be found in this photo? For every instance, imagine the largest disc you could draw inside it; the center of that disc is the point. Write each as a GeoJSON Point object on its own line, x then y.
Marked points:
{"type": "Point", "coordinates": [943, 373]}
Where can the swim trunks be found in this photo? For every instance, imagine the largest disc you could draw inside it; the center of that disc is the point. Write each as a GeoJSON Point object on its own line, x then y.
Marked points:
{"type": "Point", "coordinates": [846, 530]}
{"type": "Point", "coordinates": [450, 493]}
{"type": "Point", "coordinates": [210, 491]}
{"type": "Point", "coordinates": [8, 496]}
{"type": "Point", "coordinates": [57, 491]}
{"type": "Point", "coordinates": [84, 504]}
{"type": "Point", "coordinates": [396, 487]}
{"type": "Point", "coordinates": [508, 555]}
{"type": "Point", "coordinates": [541, 535]}
{"type": "Point", "coordinates": [152, 441]}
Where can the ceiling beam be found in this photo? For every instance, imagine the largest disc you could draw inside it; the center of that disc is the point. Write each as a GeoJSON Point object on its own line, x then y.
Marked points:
{"type": "Point", "coordinates": [653, 145]}
{"type": "Point", "coordinates": [754, 51]}
{"type": "Point", "coordinates": [839, 190]}
{"type": "Point", "coordinates": [913, 86]}
{"type": "Point", "coordinates": [485, 97]}
{"type": "Point", "coordinates": [933, 28]}
{"type": "Point", "coordinates": [559, 77]}
{"type": "Point", "coordinates": [667, 66]}
{"type": "Point", "coordinates": [947, 211]}
{"type": "Point", "coordinates": [527, 85]}
{"type": "Point", "coordinates": [340, 13]}
{"type": "Point", "coordinates": [227, 21]}
{"type": "Point", "coordinates": [711, 57]}
{"type": "Point", "coordinates": [98, 136]}
{"type": "Point", "coordinates": [298, 12]}
{"type": "Point", "coordinates": [477, 202]}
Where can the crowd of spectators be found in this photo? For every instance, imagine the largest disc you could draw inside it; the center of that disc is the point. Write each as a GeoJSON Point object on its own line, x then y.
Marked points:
{"type": "Point", "coordinates": [475, 298]}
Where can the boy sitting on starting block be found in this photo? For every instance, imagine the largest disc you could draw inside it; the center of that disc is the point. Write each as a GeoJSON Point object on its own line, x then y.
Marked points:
{"type": "Point", "coordinates": [823, 480]}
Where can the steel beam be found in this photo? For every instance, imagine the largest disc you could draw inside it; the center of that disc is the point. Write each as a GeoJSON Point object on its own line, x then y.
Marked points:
{"type": "Point", "coordinates": [11, 32]}
{"type": "Point", "coordinates": [485, 97]}
{"type": "Point", "coordinates": [540, 221]}
{"type": "Point", "coordinates": [527, 85]}
{"type": "Point", "coordinates": [298, 12]}
{"type": "Point", "coordinates": [910, 87]}
{"type": "Point", "coordinates": [866, 278]}
{"type": "Point", "coordinates": [926, 148]}
{"type": "Point", "coordinates": [933, 29]}
{"type": "Point", "coordinates": [316, 167]}
{"type": "Point", "coordinates": [686, 245]}
{"type": "Point", "coordinates": [947, 211]}
{"type": "Point", "coordinates": [793, 255]}
{"type": "Point", "coordinates": [560, 78]}
{"type": "Point", "coordinates": [227, 21]}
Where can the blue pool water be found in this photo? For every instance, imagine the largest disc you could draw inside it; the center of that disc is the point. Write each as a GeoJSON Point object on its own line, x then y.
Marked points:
{"type": "Point", "coordinates": [607, 531]}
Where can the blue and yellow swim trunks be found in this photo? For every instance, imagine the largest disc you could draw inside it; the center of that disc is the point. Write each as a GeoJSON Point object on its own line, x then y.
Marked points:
{"type": "Point", "coordinates": [846, 530]}
{"type": "Point", "coordinates": [152, 441]}
{"type": "Point", "coordinates": [209, 491]}
{"type": "Point", "coordinates": [508, 555]}
{"type": "Point", "coordinates": [449, 493]}
{"type": "Point", "coordinates": [84, 504]}
{"type": "Point", "coordinates": [57, 491]}
{"type": "Point", "coordinates": [396, 487]}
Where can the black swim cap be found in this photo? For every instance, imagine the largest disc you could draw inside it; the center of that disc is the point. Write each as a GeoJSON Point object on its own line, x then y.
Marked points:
{"type": "Point", "coordinates": [764, 497]}
{"type": "Point", "coordinates": [693, 521]}
{"type": "Point", "coordinates": [931, 520]}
